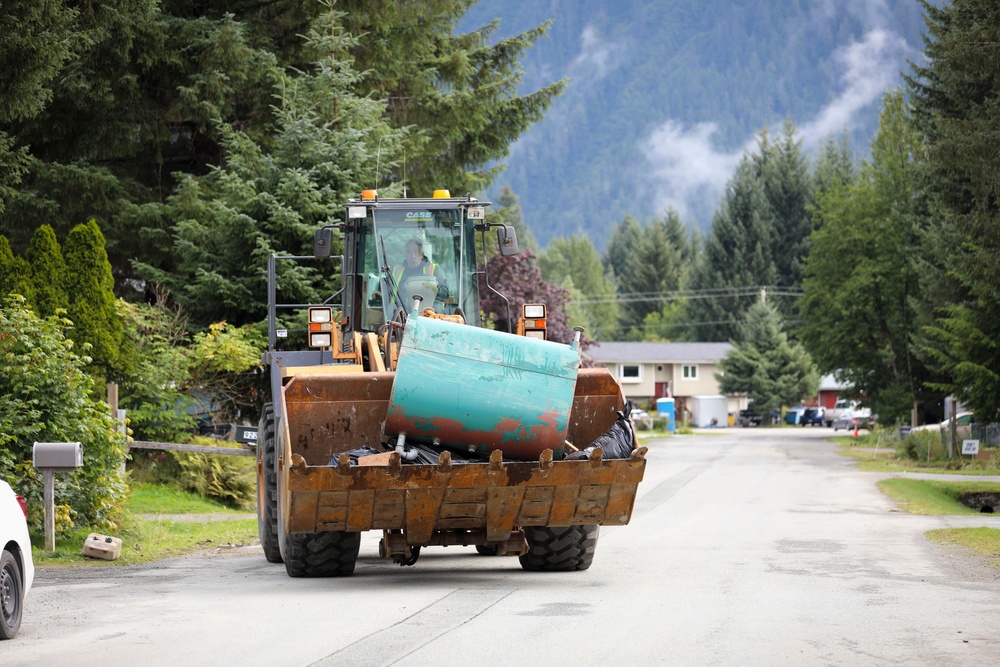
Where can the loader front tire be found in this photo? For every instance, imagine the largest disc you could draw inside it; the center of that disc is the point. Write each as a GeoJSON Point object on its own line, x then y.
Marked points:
{"type": "Point", "coordinates": [560, 549]}
{"type": "Point", "coordinates": [331, 553]}
{"type": "Point", "coordinates": [267, 486]}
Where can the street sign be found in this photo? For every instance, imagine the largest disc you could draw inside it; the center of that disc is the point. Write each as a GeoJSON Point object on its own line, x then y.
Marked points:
{"type": "Point", "coordinates": [970, 447]}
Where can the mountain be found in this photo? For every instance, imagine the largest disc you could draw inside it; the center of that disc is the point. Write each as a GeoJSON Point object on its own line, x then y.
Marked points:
{"type": "Point", "coordinates": [663, 97]}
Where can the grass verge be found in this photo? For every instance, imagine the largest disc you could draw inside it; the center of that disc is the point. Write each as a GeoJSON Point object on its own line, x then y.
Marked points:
{"type": "Point", "coordinates": [917, 496]}
{"type": "Point", "coordinates": [874, 455]}
{"type": "Point", "coordinates": [981, 541]}
{"type": "Point", "coordinates": [145, 540]}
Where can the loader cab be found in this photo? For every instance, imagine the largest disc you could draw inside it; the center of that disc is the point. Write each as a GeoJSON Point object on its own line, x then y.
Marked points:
{"type": "Point", "coordinates": [380, 277]}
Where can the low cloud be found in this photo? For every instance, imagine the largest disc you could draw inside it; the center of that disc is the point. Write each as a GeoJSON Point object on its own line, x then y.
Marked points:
{"type": "Point", "coordinates": [597, 57]}
{"type": "Point", "coordinates": [690, 174]}
{"type": "Point", "coordinates": [689, 171]}
{"type": "Point", "coordinates": [870, 67]}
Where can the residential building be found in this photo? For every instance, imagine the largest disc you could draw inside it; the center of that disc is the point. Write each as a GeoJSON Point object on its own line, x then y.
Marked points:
{"type": "Point", "coordinates": [648, 371]}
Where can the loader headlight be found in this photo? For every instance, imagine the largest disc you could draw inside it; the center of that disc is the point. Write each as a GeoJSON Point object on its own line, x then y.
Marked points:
{"type": "Point", "coordinates": [320, 339]}
{"type": "Point", "coordinates": [534, 311]}
{"type": "Point", "coordinates": [320, 315]}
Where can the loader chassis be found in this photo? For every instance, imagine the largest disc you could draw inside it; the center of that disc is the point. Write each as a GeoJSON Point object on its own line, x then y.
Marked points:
{"type": "Point", "coordinates": [313, 502]}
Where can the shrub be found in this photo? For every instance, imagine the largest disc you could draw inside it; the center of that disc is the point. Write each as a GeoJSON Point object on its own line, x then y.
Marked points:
{"type": "Point", "coordinates": [923, 446]}
{"type": "Point", "coordinates": [46, 396]}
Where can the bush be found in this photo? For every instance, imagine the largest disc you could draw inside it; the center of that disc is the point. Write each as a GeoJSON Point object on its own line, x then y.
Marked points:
{"type": "Point", "coordinates": [46, 396]}
{"type": "Point", "coordinates": [923, 446]}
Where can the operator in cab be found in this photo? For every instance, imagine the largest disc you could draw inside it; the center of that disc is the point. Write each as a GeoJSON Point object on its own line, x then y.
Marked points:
{"type": "Point", "coordinates": [414, 266]}
{"type": "Point", "coordinates": [414, 263]}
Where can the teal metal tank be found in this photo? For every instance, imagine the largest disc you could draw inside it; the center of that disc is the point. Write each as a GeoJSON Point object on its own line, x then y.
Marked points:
{"type": "Point", "coordinates": [473, 389]}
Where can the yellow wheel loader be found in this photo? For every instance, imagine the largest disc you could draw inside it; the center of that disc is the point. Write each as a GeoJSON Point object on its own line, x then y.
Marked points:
{"type": "Point", "coordinates": [402, 413]}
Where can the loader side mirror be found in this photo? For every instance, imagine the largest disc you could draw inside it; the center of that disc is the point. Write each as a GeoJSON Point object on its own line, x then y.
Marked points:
{"type": "Point", "coordinates": [507, 238]}
{"type": "Point", "coordinates": [323, 243]}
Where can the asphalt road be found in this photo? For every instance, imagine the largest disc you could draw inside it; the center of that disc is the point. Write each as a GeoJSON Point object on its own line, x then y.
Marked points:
{"type": "Point", "coordinates": [746, 547]}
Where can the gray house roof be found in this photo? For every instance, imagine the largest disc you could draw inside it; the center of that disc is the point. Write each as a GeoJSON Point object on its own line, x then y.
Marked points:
{"type": "Point", "coordinates": [705, 353]}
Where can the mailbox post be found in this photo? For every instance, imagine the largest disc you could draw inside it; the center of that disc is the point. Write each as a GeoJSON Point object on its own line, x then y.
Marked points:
{"type": "Point", "coordinates": [50, 458]}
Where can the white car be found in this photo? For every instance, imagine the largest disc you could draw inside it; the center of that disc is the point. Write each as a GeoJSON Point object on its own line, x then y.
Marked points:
{"type": "Point", "coordinates": [964, 419]}
{"type": "Point", "coordinates": [16, 568]}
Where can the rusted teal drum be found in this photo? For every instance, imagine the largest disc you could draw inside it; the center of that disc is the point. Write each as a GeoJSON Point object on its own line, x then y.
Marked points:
{"type": "Point", "coordinates": [474, 389]}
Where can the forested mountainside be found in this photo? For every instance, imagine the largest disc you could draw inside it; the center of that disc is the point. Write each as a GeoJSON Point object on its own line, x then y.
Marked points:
{"type": "Point", "coordinates": [664, 96]}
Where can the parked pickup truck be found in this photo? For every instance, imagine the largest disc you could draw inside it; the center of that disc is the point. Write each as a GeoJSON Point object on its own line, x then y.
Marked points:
{"type": "Point", "coordinates": [748, 418]}
{"type": "Point", "coordinates": [839, 408]}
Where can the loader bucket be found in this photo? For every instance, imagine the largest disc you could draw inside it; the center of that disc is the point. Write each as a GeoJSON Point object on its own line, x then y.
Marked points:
{"type": "Point", "coordinates": [328, 414]}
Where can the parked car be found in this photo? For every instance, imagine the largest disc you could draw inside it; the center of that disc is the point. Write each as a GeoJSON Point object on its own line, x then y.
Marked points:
{"type": "Point", "coordinates": [812, 417]}
{"type": "Point", "coordinates": [749, 418]}
{"type": "Point", "coordinates": [840, 407]}
{"type": "Point", "coordinates": [794, 415]}
{"type": "Point", "coordinates": [963, 425]}
{"type": "Point", "coordinates": [17, 570]}
{"type": "Point", "coordinates": [860, 417]}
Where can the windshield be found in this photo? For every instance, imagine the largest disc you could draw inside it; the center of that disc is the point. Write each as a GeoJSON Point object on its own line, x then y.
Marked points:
{"type": "Point", "coordinates": [418, 251]}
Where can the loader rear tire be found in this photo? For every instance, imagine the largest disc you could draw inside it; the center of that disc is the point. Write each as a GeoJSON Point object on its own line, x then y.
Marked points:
{"type": "Point", "coordinates": [331, 553]}
{"type": "Point", "coordinates": [267, 487]}
{"type": "Point", "coordinates": [560, 549]}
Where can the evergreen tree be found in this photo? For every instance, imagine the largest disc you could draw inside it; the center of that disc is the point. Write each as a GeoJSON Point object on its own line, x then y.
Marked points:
{"type": "Point", "coordinates": [139, 99]}
{"type": "Point", "coordinates": [573, 263]}
{"type": "Point", "coordinates": [15, 273]}
{"type": "Point", "coordinates": [97, 328]}
{"type": "Point", "coordinates": [861, 287]}
{"type": "Point", "coordinates": [48, 272]}
{"type": "Point", "coordinates": [507, 211]}
{"type": "Point", "coordinates": [624, 239]}
{"type": "Point", "coordinates": [765, 365]}
{"type": "Point", "coordinates": [654, 269]}
{"type": "Point", "coordinates": [458, 92]}
{"type": "Point", "coordinates": [737, 259]}
{"type": "Point", "coordinates": [271, 199]}
{"type": "Point", "coordinates": [788, 190]}
{"type": "Point", "coordinates": [834, 166]}
{"type": "Point", "coordinates": [955, 97]}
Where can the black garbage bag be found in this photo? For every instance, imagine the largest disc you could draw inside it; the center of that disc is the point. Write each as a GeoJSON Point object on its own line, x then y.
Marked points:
{"type": "Point", "coordinates": [429, 454]}
{"type": "Point", "coordinates": [418, 454]}
{"type": "Point", "coordinates": [618, 442]}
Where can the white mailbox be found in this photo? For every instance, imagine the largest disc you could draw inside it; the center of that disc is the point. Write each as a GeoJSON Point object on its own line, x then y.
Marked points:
{"type": "Point", "coordinates": [58, 456]}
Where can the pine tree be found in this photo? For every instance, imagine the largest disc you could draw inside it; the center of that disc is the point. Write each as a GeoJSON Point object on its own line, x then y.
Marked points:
{"type": "Point", "coordinates": [48, 272]}
{"type": "Point", "coordinates": [788, 190]}
{"type": "Point", "coordinates": [765, 365]}
{"type": "Point", "coordinates": [457, 92]}
{"type": "Point", "coordinates": [955, 105]}
{"type": "Point", "coordinates": [737, 259]}
{"type": "Point", "coordinates": [270, 198]}
{"type": "Point", "coordinates": [654, 269]}
{"type": "Point", "coordinates": [834, 166]}
{"type": "Point", "coordinates": [624, 239]}
{"type": "Point", "coordinates": [92, 304]}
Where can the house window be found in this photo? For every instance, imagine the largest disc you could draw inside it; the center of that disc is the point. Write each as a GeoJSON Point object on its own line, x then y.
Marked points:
{"type": "Point", "coordinates": [689, 372]}
{"type": "Point", "coordinates": [630, 373]}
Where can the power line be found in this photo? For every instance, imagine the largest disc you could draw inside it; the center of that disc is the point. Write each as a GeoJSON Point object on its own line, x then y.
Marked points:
{"type": "Point", "coordinates": [706, 293]}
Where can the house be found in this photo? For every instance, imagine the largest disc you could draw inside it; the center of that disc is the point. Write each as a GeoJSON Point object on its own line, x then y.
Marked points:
{"type": "Point", "coordinates": [830, 389]}
{"type": "Point", "coordinates": [648, 371]}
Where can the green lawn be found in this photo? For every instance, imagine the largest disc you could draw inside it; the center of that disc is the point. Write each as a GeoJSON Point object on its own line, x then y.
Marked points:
{"type": "Point", "coordinates": [148, 540]}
